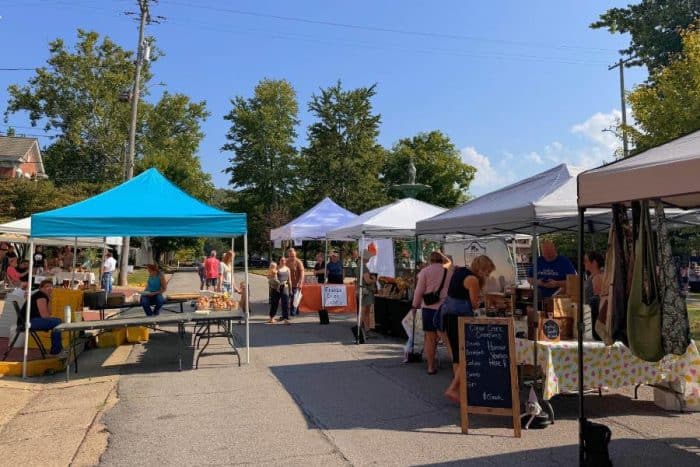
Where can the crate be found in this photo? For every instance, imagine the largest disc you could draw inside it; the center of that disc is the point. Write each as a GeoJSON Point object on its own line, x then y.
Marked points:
{"type": "Point", "coordinates": [62, 297]}
{"type": "Point", "coordinates": [115, 299]}
{"type": "Point", "coordinates": [137, 334]}
{"type": "Point", "coordinates": [113, 338]}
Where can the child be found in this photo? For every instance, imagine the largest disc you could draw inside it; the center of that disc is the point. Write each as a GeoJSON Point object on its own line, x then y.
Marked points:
{"type": "Point", "coordinates": [273, 287]}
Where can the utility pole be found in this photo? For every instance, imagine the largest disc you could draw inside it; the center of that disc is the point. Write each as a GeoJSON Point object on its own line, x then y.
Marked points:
{"type": "Point", "coordinates": [129, 160]}
{"type": "Point", "coordinates": [623, 105]}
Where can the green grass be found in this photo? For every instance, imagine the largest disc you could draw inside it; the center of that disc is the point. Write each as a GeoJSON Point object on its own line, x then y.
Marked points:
{"type": "Point", "coordinates": [139, 276]}
{"type": "Point", "coordinates": [694, 318]}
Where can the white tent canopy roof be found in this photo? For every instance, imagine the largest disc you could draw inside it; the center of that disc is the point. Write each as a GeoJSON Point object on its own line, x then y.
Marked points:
{"type": "Point", "coordinates": [546, 201]}
{"type": "Point", "coordinates": [397, 219]}
{"type": "Point", "coordinates": [314, 223]}
{"type": "Point", "coordinates": [20, 230]}
{"type": "Point", "coordinates": [668, 172]}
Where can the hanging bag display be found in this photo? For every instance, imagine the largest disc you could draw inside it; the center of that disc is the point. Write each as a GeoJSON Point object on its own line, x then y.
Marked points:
{"type": "Point", "coordinates": [644, 305]}
{"type": "Point", "coordinates": [675, 328]}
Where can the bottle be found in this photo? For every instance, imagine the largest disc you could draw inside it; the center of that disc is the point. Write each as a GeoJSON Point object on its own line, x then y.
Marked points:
{"type": "Point", "coordinates": [67, 314]}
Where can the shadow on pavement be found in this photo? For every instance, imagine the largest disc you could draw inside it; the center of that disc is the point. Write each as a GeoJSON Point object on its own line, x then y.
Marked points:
{"type": "Point", "coordinates": [623, 452]}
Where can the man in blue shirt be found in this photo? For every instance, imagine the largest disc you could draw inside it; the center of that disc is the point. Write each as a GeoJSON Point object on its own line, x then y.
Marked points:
{"type": "Point", "coordinates": [552, 270]}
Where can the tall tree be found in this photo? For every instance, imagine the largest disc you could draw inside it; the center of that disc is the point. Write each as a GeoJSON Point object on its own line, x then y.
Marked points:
{"type": "Point", "coordinates": [263, 165]}
{"type": "Point", "coordinates": [78, 95]}
{"type": "Point", "coordinates": [170, 139]}
{"type": "Point", "coordinates": [438, 164]}
{"type": "Point", "coordinates": [20, 197]}
{"type": "Point", "coordinates": [343, 159]}
{"type": "Point", "coordinates": [669, 105]}
{"type": "Point", "coordinates": [654, 27]}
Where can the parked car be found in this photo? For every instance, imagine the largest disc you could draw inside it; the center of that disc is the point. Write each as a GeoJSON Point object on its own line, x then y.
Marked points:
{"type": "Point", "coordinates": [255, 261]}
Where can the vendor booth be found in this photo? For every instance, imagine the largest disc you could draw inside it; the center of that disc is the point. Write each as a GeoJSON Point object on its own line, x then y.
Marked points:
{"type": "Point", "coordinates": [147, 205]}
{"type": "Point", "coordinates": [314, 224]}
{"type": "Point", "coordinates": [395, 220]}
{"type": "Point", "coordinates": [664, 176]}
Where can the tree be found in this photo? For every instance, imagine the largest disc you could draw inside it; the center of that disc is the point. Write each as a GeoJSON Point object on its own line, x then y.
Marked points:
{"type": "Point", "coordinates": [170, 139]}
{"type": "Point", "coordinates": [21, 198]}
{"type": "Point", "coordinates": [263, 166]}
{"type": "Point", "coordinates": [669, 106]}
{"type": "Point", "coordinates": [78, 95]}
{"type": "Point", "coordinates": [438, 164]}
{"type": "Point", "coordinates": [654, 27]}
{"type": "Point", "coordinates": [343, 159]}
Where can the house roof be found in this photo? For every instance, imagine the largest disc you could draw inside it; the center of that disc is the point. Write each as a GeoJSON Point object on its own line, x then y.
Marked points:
{"type": "Point", "coordinates": [15, 147]}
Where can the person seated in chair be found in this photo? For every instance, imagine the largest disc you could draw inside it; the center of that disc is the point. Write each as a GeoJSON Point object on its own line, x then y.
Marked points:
{"type": "Point", "coordinates": [40, 317]}
{"type": "Point", "coordinates": [155, 287]}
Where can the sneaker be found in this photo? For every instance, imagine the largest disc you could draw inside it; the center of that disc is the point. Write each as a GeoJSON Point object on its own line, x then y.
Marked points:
{"type": "Point", "coordinates": [62, 355]}
{"type": "Point", "coordinates": [286, 321]}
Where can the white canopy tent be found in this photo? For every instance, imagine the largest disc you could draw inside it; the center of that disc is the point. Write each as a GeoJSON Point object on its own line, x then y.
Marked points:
{"type": "Point", "coordinates": [19, 231]}
{"type": "Point", "coordinates": [543, 203]}
{"type": "Point", "coordinates": [394, 220]}
{"type": "Point", "coordinates": [397, 219]}
{"type": "Point", "coordinates": [314, 223]}
{"type": "Point", "coordinates": [668, 173]}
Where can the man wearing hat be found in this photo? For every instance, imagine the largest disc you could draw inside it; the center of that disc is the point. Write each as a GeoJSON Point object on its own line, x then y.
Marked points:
{"type": "Point", "coordinates": [334, 269]}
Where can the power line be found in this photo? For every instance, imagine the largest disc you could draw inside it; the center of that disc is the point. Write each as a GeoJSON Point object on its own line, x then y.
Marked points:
{"type": "Point", "coordinates": [386, 29]}
{"type": "Point", "coordinates": [17, 69]}
{"type": "Point", "coordinates": [373, 46]}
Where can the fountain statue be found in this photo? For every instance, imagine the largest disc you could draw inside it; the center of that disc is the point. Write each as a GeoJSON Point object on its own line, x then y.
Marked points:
{"type": "Point", "coordinates": [411, 189]}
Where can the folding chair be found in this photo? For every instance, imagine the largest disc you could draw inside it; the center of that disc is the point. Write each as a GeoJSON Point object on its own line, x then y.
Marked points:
{"type": "Point", "coordinates": [20, 329]}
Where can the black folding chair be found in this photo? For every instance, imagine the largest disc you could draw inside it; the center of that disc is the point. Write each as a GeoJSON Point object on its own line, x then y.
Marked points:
{"type": "Point", "coordinates": [21, 317]}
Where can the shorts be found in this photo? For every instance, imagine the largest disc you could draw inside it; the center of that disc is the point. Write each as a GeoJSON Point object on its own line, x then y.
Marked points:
{"type": "Point", "coordinates": [213, 282]}
{"type": "Point", "coordinates": [428, 315]}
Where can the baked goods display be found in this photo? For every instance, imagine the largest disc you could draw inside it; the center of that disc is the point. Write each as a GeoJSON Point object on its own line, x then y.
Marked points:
{"type": "Point", "coordinates": [216, 303]}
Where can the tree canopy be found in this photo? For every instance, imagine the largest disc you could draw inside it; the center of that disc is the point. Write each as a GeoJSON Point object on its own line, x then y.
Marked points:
{"type": "Point", "coordinates": [654, 27]}
{"type": "Point", "coordinates": [343, 159]}
{"type": "Point", "coordinates": [263, 165]}
{"type": "Point", "coordinates": [669, 106]}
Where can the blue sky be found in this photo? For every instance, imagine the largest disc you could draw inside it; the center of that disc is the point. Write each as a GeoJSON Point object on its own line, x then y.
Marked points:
{"type": "Point", "coordinates": [518, 86]}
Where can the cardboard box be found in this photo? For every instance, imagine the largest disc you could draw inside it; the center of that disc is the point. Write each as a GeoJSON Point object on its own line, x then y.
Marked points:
{"type": "Point", "coordinates": [136, 334]}
{"type": "Point", "coordinates": [572, 287]}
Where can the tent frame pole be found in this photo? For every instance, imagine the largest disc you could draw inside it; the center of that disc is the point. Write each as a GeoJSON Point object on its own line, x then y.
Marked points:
{"type": "Point", "coordinates": [581, 329]}
{"type": "Point", "coordinates": [75, 259]}
{"type": "Point", "coordinates": [247, 301]}
{"type": "Point", "coordinates": [535, 248]}
{"type": "Point", "coordinates": [360, 285]}
{"type": "Point", "coordinates": [27, 322]}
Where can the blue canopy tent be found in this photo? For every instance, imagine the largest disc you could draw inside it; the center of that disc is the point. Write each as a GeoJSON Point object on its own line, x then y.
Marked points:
{"type": "Point", "coordinates": [147, 205]}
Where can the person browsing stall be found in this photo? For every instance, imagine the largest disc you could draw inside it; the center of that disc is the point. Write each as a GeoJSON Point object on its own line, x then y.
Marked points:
{"type": "Point", "coordinates": [552, 270]}
{"type": "Point", "coordinates": [152, 299]}
{"type": "Point", "coordinates": [108, 267]}
{"type": "Point", "coordinates": [463, 297]}
{"type": "Point", "coordinates": [40, 318]}
{"type": "Point", "coordinates": [320, 269]}
{"type": "Point", "coordinates": [431, 290]}
{"type": "Point", "coordinates": [296, 267]}
{"type": "Point", "coordinates": [211, 270]}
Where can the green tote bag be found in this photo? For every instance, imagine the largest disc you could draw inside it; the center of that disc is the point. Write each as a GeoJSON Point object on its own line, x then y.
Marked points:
{"type": "Point", "coordinates": [644, 305]}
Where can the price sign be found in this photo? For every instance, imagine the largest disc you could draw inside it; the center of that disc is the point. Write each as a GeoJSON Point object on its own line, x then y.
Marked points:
{"type": "Point", "coordinates": [334, 295]}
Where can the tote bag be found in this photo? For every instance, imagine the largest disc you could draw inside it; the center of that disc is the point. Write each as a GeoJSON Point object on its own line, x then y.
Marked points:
{"type": "Point", "coordinates": [644, 305]}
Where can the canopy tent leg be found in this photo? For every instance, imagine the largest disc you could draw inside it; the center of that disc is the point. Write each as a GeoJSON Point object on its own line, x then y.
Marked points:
{"type": "Point", "coordinates": [28, 312]}
{"type": "Point", "coordinates": [233, 260]}
{"type": "Point", "coordinates": [247, 299]}
{"type": "Point", "coordinates": [325, 256]}
{"type": "Point", "coordinates": [581, 329]}
{"type": "Point", "coordinates": [75, 258]}
{"type": "Point", "coordinates": [535, 251]}
{"type": "Point", "coordinates": [360, 284]}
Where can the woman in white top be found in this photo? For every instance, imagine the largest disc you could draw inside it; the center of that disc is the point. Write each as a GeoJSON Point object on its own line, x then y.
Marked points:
{"type": "Point", "coordinates": [226, 273]}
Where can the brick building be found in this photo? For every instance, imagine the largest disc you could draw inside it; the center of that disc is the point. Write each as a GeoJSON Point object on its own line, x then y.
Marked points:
{"type": "Point", "coordinates": [20, 157]}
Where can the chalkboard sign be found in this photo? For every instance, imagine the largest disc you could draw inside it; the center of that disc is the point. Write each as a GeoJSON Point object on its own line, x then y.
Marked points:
{"type": "Point", "coordinates": [550, 330]}
{"type": "Point", "coordinates": [489, 380]}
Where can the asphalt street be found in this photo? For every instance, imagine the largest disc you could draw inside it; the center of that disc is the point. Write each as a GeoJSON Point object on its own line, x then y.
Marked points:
{"type": "Point", "coordinates": [312, 397]}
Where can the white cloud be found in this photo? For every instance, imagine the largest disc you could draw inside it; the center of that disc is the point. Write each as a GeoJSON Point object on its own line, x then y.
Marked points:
{"type": "Point", "coordinates": [486, 175]}
{"type": "Point", "coordinates": [593, 129]}
{"type": "Point", "coordinates": [534, 157]}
